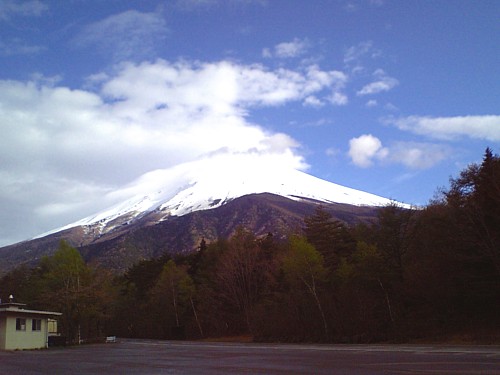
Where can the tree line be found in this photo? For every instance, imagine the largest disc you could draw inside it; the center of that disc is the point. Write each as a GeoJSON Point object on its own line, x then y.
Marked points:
{"type": "Point", "coordinates": [431, 273]}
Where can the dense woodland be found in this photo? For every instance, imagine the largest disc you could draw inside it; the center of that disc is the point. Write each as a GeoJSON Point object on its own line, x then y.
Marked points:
{"type": "Point", "coordinates": [423, 274]}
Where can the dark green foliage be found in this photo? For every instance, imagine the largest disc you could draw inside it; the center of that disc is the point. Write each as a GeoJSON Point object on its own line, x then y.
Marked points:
{"type": "Point", "coordinates": [330, 237]}
{"type": "Point", "coordinates": [18, 283]}
{"type": "Point", "coordinates": [475, 196]}
{"type": "Point", "coordinates": [473, 202]}
{"type": "Point", "coordinates": [143, 275]}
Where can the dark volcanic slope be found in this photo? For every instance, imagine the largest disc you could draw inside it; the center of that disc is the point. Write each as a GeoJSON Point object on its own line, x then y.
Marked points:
{"type": "Point", "coordinates": [259, 213]}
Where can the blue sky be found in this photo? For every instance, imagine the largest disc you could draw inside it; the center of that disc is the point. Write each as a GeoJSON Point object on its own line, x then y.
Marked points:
{"type": "Point", "coordinates": [388, 97]}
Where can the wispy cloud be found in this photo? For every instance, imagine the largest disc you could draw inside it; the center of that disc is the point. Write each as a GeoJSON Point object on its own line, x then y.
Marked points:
{"type": "Point", "coordinates": [313, 101]}
{"type": "Point", "coordinates": [10, 9]}
{"type": "Point", "coordinates": [485, 127]}
{"type": "Point", "coordinates": [32, 8]}
{"type": "Point", "coordinates": [417, 155]}
{"type": "Point", "coordinates": [313, 86]}
{"type": "Point", "coordinates": [192, 5]}
{"type": "Point", "coordinates": [334, 80]}
{"type": "Point", "coordinates": [131, 35]}
{"type": "Point", "coordinates": [295, 48]}
{"type": "Point", "coordinates": [338, 98]}
{"type": "Point", "coordinates": [382, 83]}
{"type": "Point", "coordinates": [355, 5]}
{"type": "Point", "coordinates": [355, 53]}
{"type": "Point", "coordinates": [17, 47]}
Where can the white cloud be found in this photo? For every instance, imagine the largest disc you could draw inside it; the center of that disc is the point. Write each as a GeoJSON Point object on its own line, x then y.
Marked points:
{"type": "Point", "coordinates": [371, 103]}
{"type": "Point", "coordinates": [318, 79]}
{"type": "Point", "coordinates": [128, 35]}
{"type": "Point", "coordinates": [41, 79]}
{"type": "Point", "coordinates": [485, 127]}
{"type": "Point", "coordinates": [64, 150]}
{"type": "Point", "coordinates": [296, 47]}
{"type": "Point", "coordinates": [418, 155]}
{"type": "Point", "coordinates": [338, 98]}
{"type": "Point", "coordinates": [364, 149]}
{"type": "Point", "coordinates": [313, 79]}
{"type": "Point", "coordinates": [367, 149]}
{"type": "Point", "coordinates": [312, 101]}
{"type": "Point", "coordinates": [382, 83]}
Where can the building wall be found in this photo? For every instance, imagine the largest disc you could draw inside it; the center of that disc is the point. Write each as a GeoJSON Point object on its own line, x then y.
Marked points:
{"type": "Point", "coordinates": [2, 333]}
{"type": "Point", "coordinates": [28, 339]}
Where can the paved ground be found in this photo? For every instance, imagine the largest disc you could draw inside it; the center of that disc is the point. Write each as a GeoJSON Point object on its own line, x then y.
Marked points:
{"type": "Point", "coordinates": [167, 357]}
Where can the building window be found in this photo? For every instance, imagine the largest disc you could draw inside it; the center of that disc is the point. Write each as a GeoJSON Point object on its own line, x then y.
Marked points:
{"type": "Point", "coordinates": [52, 326]}
{"type": "Point", "coordinates": [36, 324]}
{"type": "Point", "coordinates": [20, 324]}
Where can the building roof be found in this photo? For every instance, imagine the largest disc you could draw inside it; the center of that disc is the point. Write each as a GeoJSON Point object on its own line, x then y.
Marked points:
{"type": "Point", "coordinates": [18, 308]}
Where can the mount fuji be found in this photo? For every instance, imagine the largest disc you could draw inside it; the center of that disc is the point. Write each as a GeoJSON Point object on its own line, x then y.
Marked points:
{"type": "Point", "coordinates": [167, 201]}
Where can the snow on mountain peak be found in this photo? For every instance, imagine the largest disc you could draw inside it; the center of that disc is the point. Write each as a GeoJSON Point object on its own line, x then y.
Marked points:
{"type": "Point", "coordinates": [211, 182]}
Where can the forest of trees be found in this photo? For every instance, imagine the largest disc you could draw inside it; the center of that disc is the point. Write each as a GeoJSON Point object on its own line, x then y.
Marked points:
{"type": "Point", "coordinates": [423, 274]}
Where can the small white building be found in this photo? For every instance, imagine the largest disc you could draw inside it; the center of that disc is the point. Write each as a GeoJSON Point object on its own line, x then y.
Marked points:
{"type": "Point", "coordinates": [25, 329]}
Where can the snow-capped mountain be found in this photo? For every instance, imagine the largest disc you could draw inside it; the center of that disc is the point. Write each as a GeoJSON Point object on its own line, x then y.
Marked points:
{"type": "Point", "coordinates": [171, 210]}
{"type": "Point", "coordinates": [211, 183]}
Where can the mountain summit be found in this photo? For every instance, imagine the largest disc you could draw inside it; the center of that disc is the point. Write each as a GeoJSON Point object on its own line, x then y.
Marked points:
{"type": "Point", "coordinates": [211, 183]}
{"type": "Point", "coordinates": [171, 210]}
